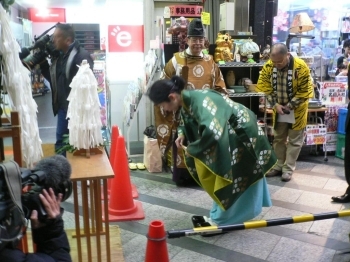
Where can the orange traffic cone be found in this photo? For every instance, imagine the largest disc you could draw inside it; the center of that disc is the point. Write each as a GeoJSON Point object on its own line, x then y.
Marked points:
{"type": "Point", "coordinates": [114, 137]}
{"type": "Point", "coordinates": [156, 249]}
{"type": "Point", "coordinates": [122, 206]}
{"type": "Point", "coordinates": [115, 134]}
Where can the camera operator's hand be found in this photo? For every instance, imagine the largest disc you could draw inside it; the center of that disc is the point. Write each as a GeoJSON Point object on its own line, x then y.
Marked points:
{"type": "Point", "coordinates": [51, 204]}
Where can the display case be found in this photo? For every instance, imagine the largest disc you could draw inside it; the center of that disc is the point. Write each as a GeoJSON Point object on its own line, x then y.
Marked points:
{"type": "Point", "coordinates": [88, 36]}
{"type": "Point", "coordinates": [249, 99]}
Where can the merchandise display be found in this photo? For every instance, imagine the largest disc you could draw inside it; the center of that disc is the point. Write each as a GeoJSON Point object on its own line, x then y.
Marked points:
{"type": "Point", "coordinates": [100, 74]}
{"type": "Point", "coordinates": [137, 89]}
{"type": "Point", "coordinates": [224, 48]}
{"type": "Point", "coordinates": [247, 48]}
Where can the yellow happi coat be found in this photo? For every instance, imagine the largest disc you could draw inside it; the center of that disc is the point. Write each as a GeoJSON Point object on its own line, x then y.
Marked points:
{"type": "Point", "coordinates": [302, 88]}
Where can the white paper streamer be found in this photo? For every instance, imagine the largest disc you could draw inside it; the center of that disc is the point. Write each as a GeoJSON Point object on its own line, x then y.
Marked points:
{"type": "Point", "coordinates": [16, 81]}
{"type": "Point", "coordinates": [84, 110]}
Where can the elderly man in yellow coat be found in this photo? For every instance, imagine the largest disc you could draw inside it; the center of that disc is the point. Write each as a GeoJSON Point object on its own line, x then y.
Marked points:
{"type": "Point", "coordinates": [287, 83]}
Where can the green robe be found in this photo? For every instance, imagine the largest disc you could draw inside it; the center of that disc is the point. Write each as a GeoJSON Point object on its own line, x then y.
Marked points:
{"type": "Point", "coordinates": [226, 150]}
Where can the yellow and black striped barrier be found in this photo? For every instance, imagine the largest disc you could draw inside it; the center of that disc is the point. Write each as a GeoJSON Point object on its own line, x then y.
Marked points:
{"type": "Point", "coordinates": [209, 230]}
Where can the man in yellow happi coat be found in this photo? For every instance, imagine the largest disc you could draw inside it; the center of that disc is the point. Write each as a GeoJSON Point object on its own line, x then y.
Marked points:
{"type": "Point", "coordinates": [201, 72]}
{"type": "Point", "coordinates": [287, 83]}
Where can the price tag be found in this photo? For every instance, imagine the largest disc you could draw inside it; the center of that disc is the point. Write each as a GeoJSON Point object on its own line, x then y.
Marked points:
{"type": "Point", "coordinates": [221, 62]}
{"type": "Point", "coordinates": [205, 18]}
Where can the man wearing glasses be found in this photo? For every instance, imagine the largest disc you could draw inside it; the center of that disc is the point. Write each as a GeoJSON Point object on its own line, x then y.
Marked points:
{"type": "Point", "coordinates": [200, 72]}
{"type": "Point", "coordinates": [287, 83]}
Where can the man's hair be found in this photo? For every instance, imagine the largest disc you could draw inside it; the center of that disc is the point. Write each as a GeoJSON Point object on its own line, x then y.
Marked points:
{"type": "Point", "coordinates": [346, 43]}
{"type": "Point", "coordinates": [67, 30]}
{"type": "Point", "coordinates": [279, 48]}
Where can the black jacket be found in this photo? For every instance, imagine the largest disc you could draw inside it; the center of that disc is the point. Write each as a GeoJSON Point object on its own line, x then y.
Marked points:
{"type": "Point", "coordinates": [61, 77]}
{"type": "Point", "coordinates": [347, 121]}
{"type": "Point", "coordinates": [51, 242]}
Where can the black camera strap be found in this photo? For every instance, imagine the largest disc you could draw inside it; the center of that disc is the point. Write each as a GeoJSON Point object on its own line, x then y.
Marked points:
{"type": "Point", "coordinates": [12, 175]}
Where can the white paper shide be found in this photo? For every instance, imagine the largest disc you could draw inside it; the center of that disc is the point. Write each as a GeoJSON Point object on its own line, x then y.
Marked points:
{"type": "Point", "coordinates": [84, 110]}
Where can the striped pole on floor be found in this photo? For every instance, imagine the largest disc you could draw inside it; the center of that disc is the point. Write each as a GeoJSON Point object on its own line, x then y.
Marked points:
{"type": "Point", "coordinates": [255, 224]}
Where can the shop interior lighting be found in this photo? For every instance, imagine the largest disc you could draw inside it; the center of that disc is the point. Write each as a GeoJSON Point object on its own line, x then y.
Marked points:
{"type": "Point", "coordinates": [301, 23]}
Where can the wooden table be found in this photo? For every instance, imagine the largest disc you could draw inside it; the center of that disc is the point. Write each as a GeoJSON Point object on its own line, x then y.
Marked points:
{"type": "Point", "coordinates": [95, 169]}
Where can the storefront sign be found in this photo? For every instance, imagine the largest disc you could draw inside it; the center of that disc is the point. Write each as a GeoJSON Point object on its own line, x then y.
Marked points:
{"type": "Point", "coordinates": [47, 15]}
{"type": "Point", "coordinates": [125, 38]}
{"type": "Point", "coordinates": [186, 10]}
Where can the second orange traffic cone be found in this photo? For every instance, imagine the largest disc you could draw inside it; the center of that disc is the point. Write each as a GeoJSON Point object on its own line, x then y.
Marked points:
{"type": "Point", "coordinates": [156, 249]}
{"type": "Point", "coordinates": [122, 206]}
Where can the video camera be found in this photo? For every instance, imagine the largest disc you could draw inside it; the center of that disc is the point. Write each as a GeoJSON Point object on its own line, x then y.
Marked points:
{"type": "Point", "coordinates": [20, 189]}
{"type": "Point", "coordinates": [42, 48]}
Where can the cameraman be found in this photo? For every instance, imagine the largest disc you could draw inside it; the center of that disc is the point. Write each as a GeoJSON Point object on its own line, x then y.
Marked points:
{"type": "Point", "coordinates": [50, 238]}
{"type": "Point", "coordinates": [61, 73]}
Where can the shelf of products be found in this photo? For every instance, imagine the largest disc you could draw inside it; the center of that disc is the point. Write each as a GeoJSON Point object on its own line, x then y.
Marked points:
{"type": "Point", "coordinates": [250, 95]}
{"type": "Point", "coordinates": [250, 99]}
{"type": "Point", "coordinates": [90, 40]}
{"type": "Point", "coordinates": [241, 64]}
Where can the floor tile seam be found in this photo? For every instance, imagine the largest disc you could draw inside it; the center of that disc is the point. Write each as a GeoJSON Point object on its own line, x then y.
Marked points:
{"type": "Point", "coordinates": [190, 244]}
{"type": "Point", "coordinates": [300, 207]}
{"type": "Point", "coordinates": [160, 179]}
{"type": "Point", "coordinates": [288, 231]}
{"type": "Point", "coordinates": [331, 243]}
{"type": "Point", "coordinates": [194, 245]}
{"type": "Point", "coordinates": [293, 185]}
{"type": "Point", "coordinates": [316, 161]}
{"type": "Point", "coordinates": [290, 184]}
{"type": "Point", "coordinates": [47, 127]}
{"type": "Point", "coordinates": [321, 175]}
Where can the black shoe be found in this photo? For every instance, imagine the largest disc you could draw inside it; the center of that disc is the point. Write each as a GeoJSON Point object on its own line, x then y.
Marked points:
{"type": "Point", "coordinates": [201, 221]}
{"type": "Point", "coordinates": [186, 182]}
{"type": "Point", "coordinates": [342, 199]}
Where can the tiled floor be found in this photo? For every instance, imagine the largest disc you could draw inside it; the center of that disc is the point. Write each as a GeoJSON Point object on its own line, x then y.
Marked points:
{"type": "Point", "coordinates": [310, 191]}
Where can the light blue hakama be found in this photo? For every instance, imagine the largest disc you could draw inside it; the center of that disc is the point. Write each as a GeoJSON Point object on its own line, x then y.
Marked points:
{"type": "Point", "coordinates": [248, 206]}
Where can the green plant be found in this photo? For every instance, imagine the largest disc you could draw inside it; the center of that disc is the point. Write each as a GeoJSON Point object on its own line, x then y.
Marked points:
{"type": "Point", "coordinates": [69, 148]}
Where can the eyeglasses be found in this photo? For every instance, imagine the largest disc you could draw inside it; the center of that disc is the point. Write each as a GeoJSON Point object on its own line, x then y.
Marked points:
{"type": "Point", "coordinates": [279, 62]}
{"type": "Point", "coordinates": [197, 40]}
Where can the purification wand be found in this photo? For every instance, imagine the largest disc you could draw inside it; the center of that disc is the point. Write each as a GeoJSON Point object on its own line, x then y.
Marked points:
{"type": "Point", "coordinates": [209, 230]}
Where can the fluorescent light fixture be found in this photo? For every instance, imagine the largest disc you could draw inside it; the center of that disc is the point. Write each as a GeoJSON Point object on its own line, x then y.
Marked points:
{"type": "Point", "coordinates": [40, 4]}
{"type": "Point", "coordinates": [88, 2]}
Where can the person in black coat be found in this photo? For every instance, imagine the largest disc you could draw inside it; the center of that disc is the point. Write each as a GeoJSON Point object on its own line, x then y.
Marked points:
{"type": "Point", "coordinates": [346, 197]}
{"type": "Point", "coordinates": [340, 62]}
{"type": "Point", "coordinates": [50, 238]}
{"type": "Point", "coordinates": [60, 75]}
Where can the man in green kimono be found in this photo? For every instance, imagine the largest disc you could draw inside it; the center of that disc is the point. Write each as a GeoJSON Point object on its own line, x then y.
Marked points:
{"type": "Point", "coordinates": [287, 83]}
{"type": "Point", "coordinates": [227, 153]}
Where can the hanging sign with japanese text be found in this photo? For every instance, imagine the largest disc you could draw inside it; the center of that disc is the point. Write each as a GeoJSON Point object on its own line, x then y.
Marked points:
{"type": "Point", "coordinates": [186, 10]}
